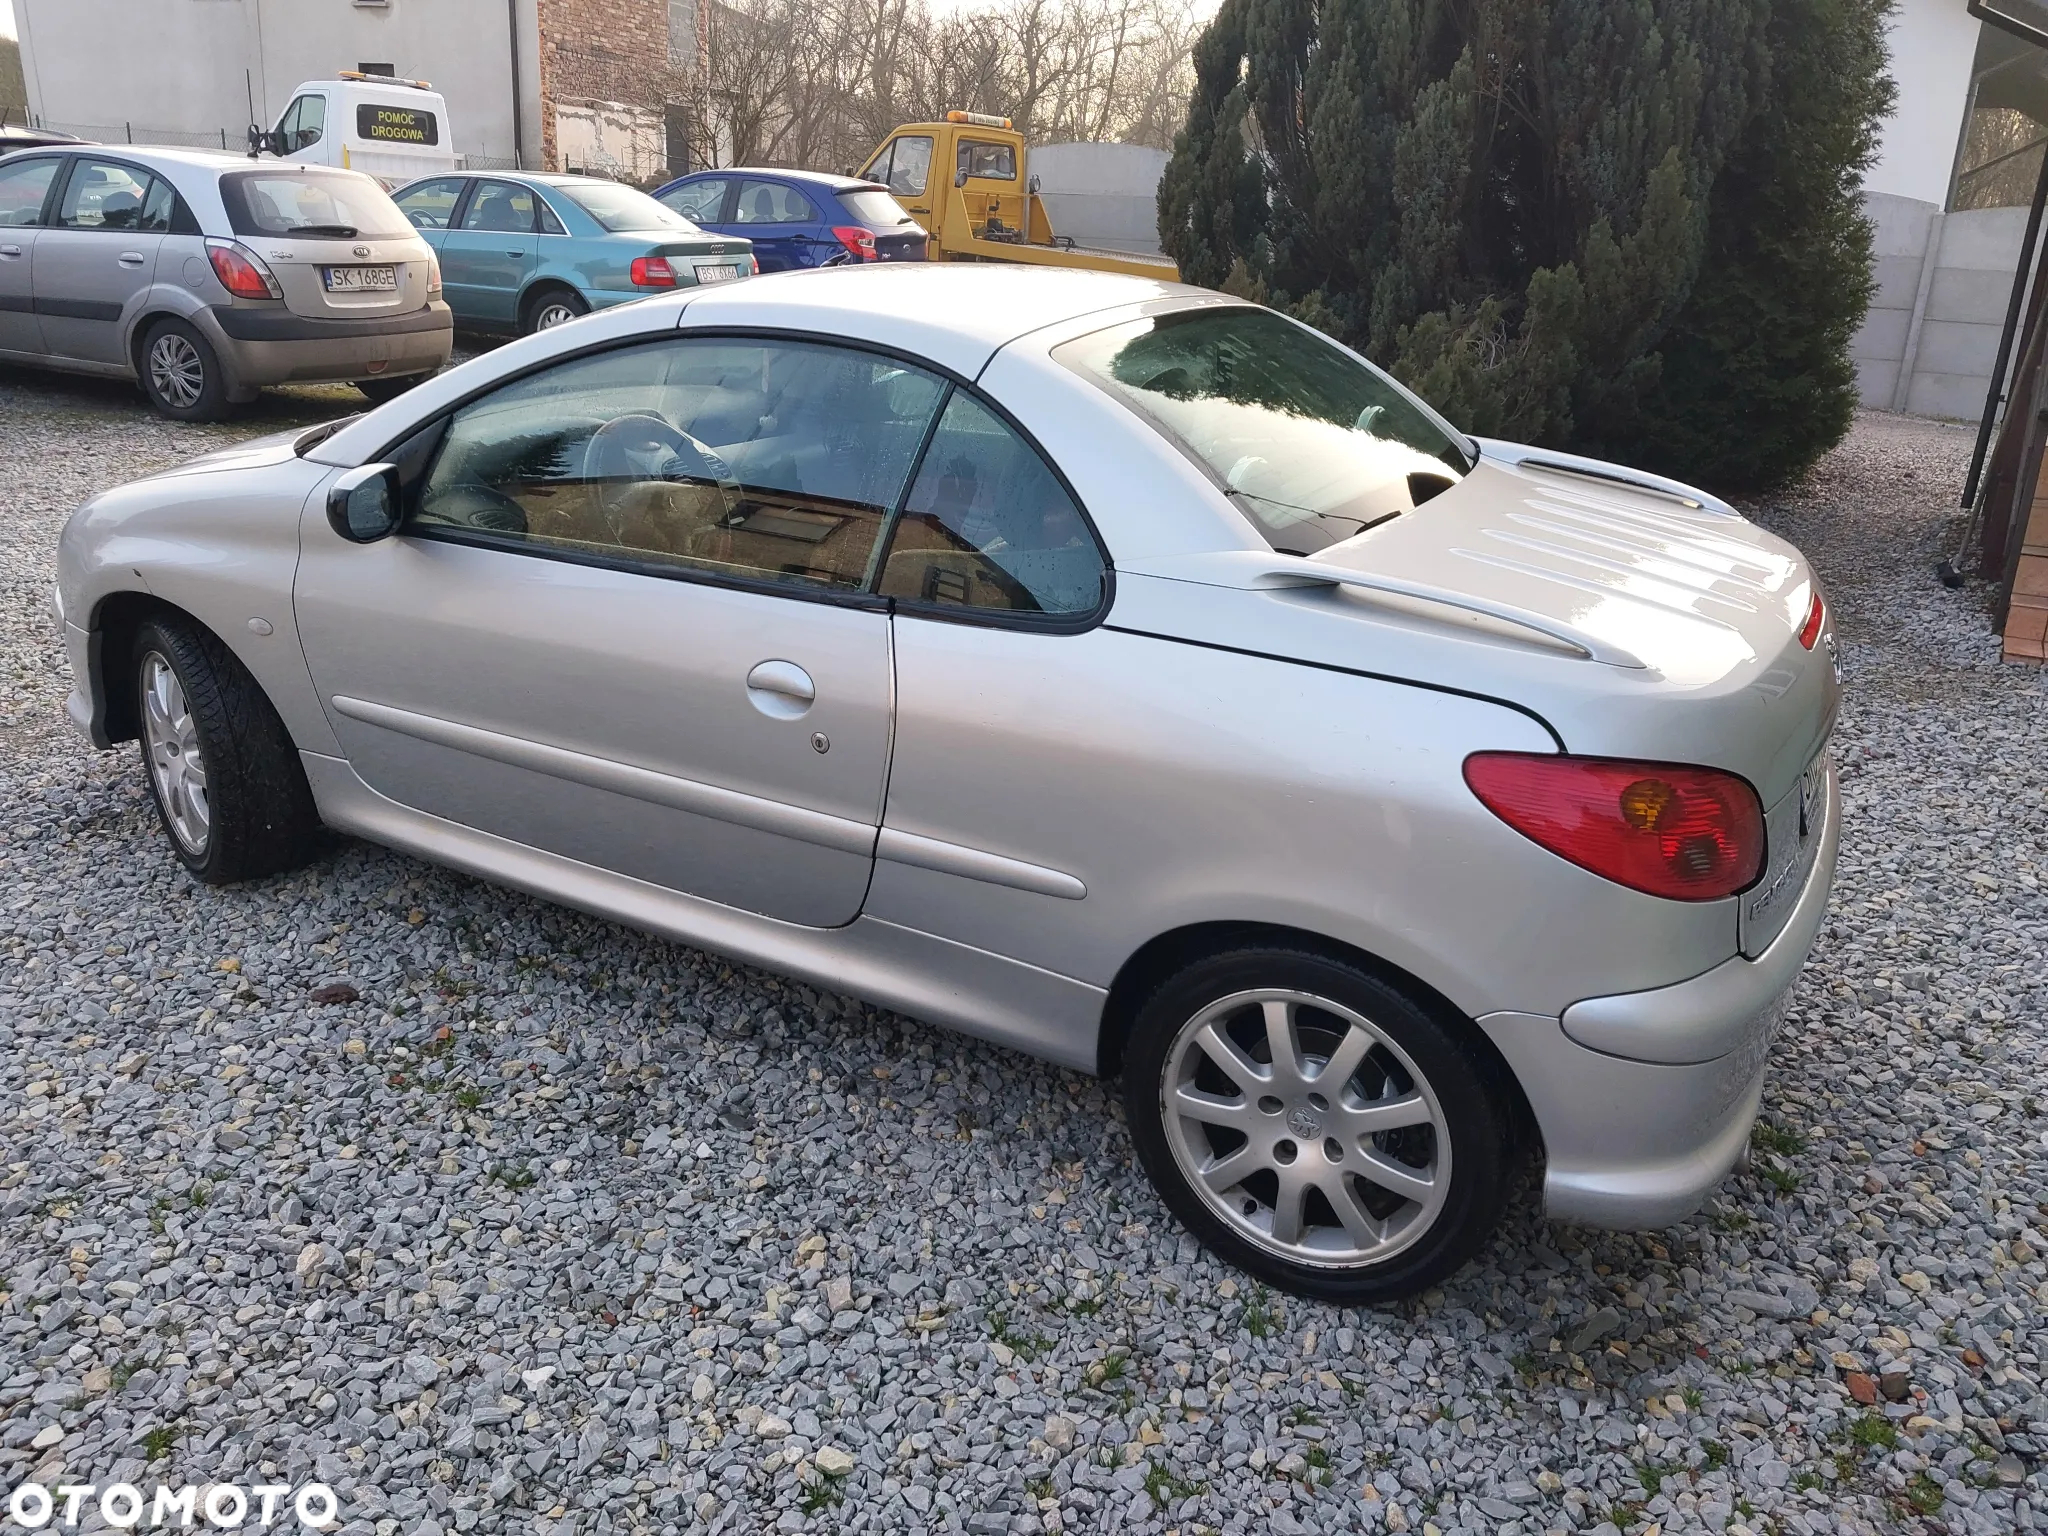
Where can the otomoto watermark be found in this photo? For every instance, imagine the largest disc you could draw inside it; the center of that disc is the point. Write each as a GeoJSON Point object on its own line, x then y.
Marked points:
{"type": "Point", "coordinates": [221, 1506]}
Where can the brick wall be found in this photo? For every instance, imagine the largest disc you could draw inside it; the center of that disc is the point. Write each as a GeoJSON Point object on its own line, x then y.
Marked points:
{"type": "Point", "coordinates": [602, 51]}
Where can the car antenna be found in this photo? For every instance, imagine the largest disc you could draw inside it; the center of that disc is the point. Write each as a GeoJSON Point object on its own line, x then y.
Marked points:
{"type": "Point", "coordinates": [255, 128]}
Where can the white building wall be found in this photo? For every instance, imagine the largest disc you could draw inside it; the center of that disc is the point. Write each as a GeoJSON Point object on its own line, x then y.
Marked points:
{"type": "Point", "coordinates": [1932, 48]}
{"type": "Point", "coordinates": [193, 66]}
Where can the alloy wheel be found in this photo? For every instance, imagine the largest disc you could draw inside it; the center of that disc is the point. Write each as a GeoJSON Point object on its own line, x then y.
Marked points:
{"type": "Point", "coordinates": [1305, 1127]}
{"type": "Point", "coordinates": [553, 314]}
{"type": "Point", "coordinates": [176, 370]}
{"type": "Point", "coordinates": [171, 743]}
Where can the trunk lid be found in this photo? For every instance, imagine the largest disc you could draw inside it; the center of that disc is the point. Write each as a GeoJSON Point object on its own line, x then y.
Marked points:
{"type": "Point", "coordinates": [904, 244]}
{"type": "Point", "coordinates": [303, 267]}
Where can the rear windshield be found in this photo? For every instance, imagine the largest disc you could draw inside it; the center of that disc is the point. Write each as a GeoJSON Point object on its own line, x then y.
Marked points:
{"type": "Point", "coordinates": [874, 208]}
{"type": "Point", "coordinates": [620, 208]}
{"type": "Point", "coordinates": [307, 203]}
{"type": "Point", "coordinates": [1316, 445]}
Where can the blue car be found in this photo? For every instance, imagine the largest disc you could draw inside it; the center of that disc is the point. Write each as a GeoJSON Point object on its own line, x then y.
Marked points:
{"type": "Point", "coordinates": [522, 251]}
{"type": "Point", "coordinates": [799, 218]}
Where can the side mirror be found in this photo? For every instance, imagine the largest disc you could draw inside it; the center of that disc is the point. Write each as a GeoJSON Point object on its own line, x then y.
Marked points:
{"type": "Point", "coordinates": [960, 177]}
{"type": "Point", "coordinates": [362, 505]}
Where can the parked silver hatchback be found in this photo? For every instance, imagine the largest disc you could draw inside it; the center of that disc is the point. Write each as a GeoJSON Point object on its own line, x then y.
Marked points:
{"type": "Point", "coordinates": [206, 276]}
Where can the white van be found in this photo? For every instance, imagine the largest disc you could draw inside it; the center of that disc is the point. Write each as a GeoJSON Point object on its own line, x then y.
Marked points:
{"type": "Point", "coordinates": [394, 130]}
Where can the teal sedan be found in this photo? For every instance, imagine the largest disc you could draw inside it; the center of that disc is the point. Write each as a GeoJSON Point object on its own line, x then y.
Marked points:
{"type": "Point", "coordinates": [521, 251]}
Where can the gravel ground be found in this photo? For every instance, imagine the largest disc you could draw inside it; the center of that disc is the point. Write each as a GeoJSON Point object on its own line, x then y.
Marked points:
{"type": "Point", "coordinates": [496, 1217]}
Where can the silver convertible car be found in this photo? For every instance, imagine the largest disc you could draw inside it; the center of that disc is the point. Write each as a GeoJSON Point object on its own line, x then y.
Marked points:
{"type": "Point", "coordinates": [1110, 669]}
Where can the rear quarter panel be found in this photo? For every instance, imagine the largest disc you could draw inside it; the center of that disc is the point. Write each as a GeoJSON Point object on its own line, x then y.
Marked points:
{"type": "Point", "coordinates": [1182, 784]}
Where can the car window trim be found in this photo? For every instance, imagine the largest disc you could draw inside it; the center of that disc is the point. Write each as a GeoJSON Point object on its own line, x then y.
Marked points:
{"type": "Point", "coordinates": [993, 618]}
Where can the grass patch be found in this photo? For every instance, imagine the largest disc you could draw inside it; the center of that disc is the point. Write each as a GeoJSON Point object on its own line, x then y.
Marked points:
{"type": "Point", "coordinates": [1778, 1140]}
{"type": "Point", "coordinates": [1025, 1346]}
{"type": "Point", "coordinates": [1167, 1489]}
{"type": "Point", "coordinates": [1923, 1495]}
{"type": "Point", "coordinates": [1258, 1318]}
{"type": "Point", "coordinates": [1782, 1179]}
{"type": "Point", "coordinates": [156, 1445]}
{"type": "Point", "coordinates": [1717, 1455]}
{"type": "Point", "coordinates": [819, 1495]}
{"type": "Point", "coordinates": [515, 1177]}
{"type": "Point", "coordinates": [1874, 1432]}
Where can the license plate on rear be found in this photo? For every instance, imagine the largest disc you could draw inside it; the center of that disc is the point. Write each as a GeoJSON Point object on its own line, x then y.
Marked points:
{"type": "Point", "coordinates": [717, 274]}
{"type": "Point", "coordinates": [360, 279]}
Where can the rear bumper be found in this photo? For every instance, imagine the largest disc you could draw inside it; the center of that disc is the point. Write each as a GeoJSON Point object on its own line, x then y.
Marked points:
{"type": "Point", "coordinates": [271, 346]}
{"type": "Point", "coordinates": [1639, 1141]}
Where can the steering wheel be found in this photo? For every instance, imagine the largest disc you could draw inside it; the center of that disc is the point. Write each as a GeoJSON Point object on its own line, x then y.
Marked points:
{"type": "Point", "coordinates": [482, 506]}
{"type": "Point", "coordinates": [633, 449]}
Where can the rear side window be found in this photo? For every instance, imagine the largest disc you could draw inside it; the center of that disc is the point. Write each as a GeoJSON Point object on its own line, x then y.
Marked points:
{"type": "Point", "coordinates": [105, 195]}
{"type": "Point", "coordinates": [876, 210]}
{"type": "Point", "coordinates": [500, 205]}
{"type": "Point", "coordinates": [381, 123]}
{"type": "Point", "coordinates": [309, 203]}
{"type": "Point", "coordinates": [23, 189]}
{"type": "Point", "coordinates": [771, 202]}
{"type": "Point", "coordinates": [989, 526]}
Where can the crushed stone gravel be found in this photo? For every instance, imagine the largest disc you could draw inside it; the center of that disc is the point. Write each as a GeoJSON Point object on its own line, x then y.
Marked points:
{"type": "Point", "coordinates": [496, 1217]}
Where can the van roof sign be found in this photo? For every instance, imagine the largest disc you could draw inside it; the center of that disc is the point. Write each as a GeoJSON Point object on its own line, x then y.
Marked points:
{"type": "Point", "coordinates": [357, 74]}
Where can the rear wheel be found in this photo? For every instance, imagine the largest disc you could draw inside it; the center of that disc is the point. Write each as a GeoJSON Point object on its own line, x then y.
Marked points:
{"type": "Point", "coordinates": [552, 307]}
{"type": "Point", "coordinates": [222, 769]}
{"type": "Point", "coordinates": [181, 374]}
{"type": "Point", "coordinates": [1316, 1126]}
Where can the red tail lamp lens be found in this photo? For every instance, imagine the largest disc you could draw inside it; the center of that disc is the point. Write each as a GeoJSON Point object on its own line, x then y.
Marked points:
{"type": "Point", "coordinates": [857, 240]}
{"type": "Point", "coordinates": [1816, 616]}
{"type": "Point", "coordinates": [653, 272]}
{"type": "Point", "coordinates": [241, 273]}
{"type": "Point", "coordinates": [1689, 834]}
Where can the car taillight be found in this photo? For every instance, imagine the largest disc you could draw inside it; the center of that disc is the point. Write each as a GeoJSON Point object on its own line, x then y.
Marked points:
{"type": "Point", "coordinates": [433, 276]}
{"type": "Point", "coordinates": [1816, 617]}
{"type": "Point", "coordinates": [241, 271]}
{"type": "Point", "coordinates": [1690, 834]}
{"type": "Point", "coordinates": [653, 272]}
{"type": "Point", "coordinates": [861, 242]}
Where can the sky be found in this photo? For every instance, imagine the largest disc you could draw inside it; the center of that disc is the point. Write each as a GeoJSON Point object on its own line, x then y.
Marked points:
{"type": "Point", "coordinates": [6, 18]}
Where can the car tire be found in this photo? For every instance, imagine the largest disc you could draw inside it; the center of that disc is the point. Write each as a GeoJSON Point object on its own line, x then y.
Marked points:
{"type": "Point", "coordinates": [378, 391]}
{"type": "Point", "coordinates": [1416, 1141]}
{"type": "Point", "coordinates": [222, 769]}
{"type": "Point", "coordinates": [550, 307]}
{"type": "Point", "coordinates": [182, 374]}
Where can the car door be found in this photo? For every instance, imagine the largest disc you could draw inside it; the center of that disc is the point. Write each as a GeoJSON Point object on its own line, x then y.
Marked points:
{"type": "Point", "coordinates": [487, 256]}
{"type": "Point", "coordinates": [96, 255]}
{"type": "Point", "coordinates": [627, 618]}
{"type": "Point", "coordinates": [24, 191]}
{"type": "Point", "coordinates": [780, 221]}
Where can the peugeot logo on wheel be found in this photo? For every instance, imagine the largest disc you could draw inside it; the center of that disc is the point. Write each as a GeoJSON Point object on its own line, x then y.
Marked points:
{"type": "Point", "coordinates": [362, 250]}
{"type": "Point", "coordinates": [1303, 1122]}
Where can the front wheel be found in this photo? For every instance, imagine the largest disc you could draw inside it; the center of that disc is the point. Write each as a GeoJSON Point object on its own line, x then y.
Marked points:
{"type": "Point", "coordinates": [1316, 1126]}
{"type": "Point", "coordinates": [222, 768]}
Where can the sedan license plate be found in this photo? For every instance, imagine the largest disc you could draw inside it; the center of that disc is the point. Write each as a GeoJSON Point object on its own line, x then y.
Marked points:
{"type": "Point", "coordinates": [718, 274]}
{"type": "Point", "coordinates": [360, 279]}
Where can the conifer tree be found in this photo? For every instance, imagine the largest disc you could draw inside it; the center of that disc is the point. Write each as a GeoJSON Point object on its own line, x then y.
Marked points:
{"type": "Point", "coordinates": [1628, 227]}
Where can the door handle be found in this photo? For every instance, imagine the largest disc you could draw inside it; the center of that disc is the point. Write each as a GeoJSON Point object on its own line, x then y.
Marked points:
{"type": "Point", "coordinates": [10, 250]}
{"type": "Point", "coordinates": [781, 690]}
{"type": "Point", "coordinates": [132, 258]}
{"type": "Point", "coordinates": [515, 253]}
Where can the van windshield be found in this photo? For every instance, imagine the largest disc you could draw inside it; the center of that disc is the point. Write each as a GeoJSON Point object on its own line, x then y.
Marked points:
{"type": "Point", "coordinates": [309, 203]}
{"type": "Point", "coordinates": [1313, 443]}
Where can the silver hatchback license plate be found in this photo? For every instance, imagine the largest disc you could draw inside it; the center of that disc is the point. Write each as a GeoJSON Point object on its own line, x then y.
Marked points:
{"type": "Point", "coordinates": [360, 279]}
{"type": "Point", "coordinates": [718, 274]}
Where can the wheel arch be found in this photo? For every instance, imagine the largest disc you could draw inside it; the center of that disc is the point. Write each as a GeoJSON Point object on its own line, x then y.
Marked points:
{"type": "Point", "coordinates": [1159, 958]}
{"type": "Point", "coordinates": [539, 287]}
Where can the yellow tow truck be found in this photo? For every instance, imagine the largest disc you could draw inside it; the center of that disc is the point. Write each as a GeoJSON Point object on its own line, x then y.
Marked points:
{"type": "Point", "coordinates": [966, 181]}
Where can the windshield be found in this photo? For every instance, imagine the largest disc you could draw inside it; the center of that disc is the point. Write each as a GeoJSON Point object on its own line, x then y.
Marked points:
{"type": "Point", "coordinates": [875, 209]}
{"type": "Point", "coordinates": [1316, 445]}
{"type": "Point", "coordinates": [311, 205]}
{"type": "Point", "coordinates": [620, 208]}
